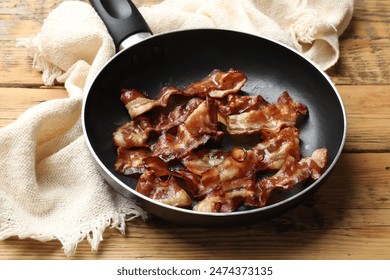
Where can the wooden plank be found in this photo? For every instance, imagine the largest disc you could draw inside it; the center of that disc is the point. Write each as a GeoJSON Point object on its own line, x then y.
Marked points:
{"type": "Point", "coordinates": [347, 218]}
{"type": "Point", "coordinates": [14, 101]}
{"type": "Point", "coordinates": [368, 117]}
{"type": "Point", "coordinates": [362, 62]}
{"type": "Point", "coordinates": [370, 19]}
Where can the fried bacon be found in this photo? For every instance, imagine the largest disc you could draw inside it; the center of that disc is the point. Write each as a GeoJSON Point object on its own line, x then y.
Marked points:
{"type": "Point", "coordinates": [270, 119]}
{"type": "Point", "coordinates": [237, 104]}
{"type": "Point", "coordinates": [133, 133]}
{"type": "Point", "coordinates": [196, 130]}
{"type": "Point", "coordinates": [240, 164]}
{"type": "Point", "coordinates": [168, 151]}
{"type": "Point", "coordinates": [167, 191]}
{"type": "Point", "coordinates": [292, 173]}
{"type": "Point", "coordinates": [170, 147]}
{"type": "Point", "coordinates": [159, 183]}
{"type": "Point", "coordinates": [276, 147]}
{"type": "Point", "coordinates": [201, 161]}
{"type": "Point", "coordinates": [177, 116]}
{"type": "Point", "coordinates": [130, 161]}
{"type": "Point", "coordinates": [136, 102]}
{"type": "Point", "coordinates": [218, 84]}
{"type": "Point", "coordinates": [227, 201]}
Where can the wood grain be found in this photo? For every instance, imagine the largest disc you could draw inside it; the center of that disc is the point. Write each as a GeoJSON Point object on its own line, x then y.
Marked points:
{"type": "Point", "coordinates": [347, 218]}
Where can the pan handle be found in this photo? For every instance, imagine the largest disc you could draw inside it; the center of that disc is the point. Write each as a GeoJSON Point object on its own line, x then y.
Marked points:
{"type": "Point", "coordinates": [123, 21]}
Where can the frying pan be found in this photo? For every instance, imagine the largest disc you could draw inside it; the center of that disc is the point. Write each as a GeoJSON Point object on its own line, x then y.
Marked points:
{"type": "Point", "coordinates": [182, 57]}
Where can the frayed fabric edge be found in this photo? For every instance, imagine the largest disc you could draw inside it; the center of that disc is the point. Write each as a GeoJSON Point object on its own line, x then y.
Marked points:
{"type": "Point", "coordinates": [50, 72]}
{"type": "Point", "coordinates": [93, 232]}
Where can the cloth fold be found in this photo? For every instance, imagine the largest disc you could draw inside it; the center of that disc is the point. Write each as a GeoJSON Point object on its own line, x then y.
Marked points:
{"type": "Point", "coordinates": [312, 27]}
{"type": "Point", "coordinates": [50, 187]}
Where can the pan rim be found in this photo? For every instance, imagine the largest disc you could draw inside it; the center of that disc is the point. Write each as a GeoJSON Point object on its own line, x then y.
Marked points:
{"type": "Point", "coordinates": [266, 208]}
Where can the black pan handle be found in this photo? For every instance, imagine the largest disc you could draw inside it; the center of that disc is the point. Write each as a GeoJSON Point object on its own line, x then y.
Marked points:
{"type": "Point", "coordinates": [122, 19]}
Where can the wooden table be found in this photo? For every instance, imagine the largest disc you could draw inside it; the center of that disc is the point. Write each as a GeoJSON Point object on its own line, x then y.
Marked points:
{"type": "Point", "coordinates": [348, 218]}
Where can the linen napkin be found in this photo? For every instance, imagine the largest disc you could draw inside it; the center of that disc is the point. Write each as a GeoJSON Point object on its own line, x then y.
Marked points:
{"type": "Point", "coordinates": [49, 185]}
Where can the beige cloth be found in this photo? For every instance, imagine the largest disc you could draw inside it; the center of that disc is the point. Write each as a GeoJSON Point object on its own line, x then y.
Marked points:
{"type": "Point", "coordinates": [312, 27]}
{"type": "Point", "coordinates": [49, 185]}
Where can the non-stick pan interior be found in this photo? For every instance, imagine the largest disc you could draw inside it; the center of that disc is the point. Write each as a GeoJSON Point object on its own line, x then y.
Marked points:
{"type": "Point", "coordinates": [182, 57]}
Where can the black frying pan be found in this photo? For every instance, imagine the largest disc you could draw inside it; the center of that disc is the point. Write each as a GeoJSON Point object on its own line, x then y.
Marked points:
{"type": "Point", "coordinates": [182, 57]}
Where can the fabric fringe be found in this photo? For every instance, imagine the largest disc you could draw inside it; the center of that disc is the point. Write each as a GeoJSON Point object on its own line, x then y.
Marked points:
{"type": "Point", "coordinates": [305, 24]}
{"type": "Point", "coordinates": [50, 72]}
{"type": "Point", "coordinates": [93, 232]}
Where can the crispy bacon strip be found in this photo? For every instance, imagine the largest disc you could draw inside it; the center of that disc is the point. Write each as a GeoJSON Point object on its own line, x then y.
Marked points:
{"type": "Point", "coordinates": [192, 184]}
{"type": "Point", "coordinates": [316, 162]}
{"type": "Point", "coordinates": [231, 194]}
{"type": "Point", "coordinates": [136, 102]}
{"type": "Point", "coordinates": [167, 191]}
{"type": "Point", "coordinates": [159, 183]}
{"type": "Point", "coordinates": [237, 104]}
{"type": "Point", "coordinates": [292, 173]}
{"type": "Point", "coordinates": [170, 147]}
{"type": "Point", "coordinates": [166, 92]}
{"type": "Point", "coordinates": [177, 116]}
{"type": "Point", "coordinates": [229, 197]}
{"type": "Point", "coordinates": [222, 202]}
{"type": "Point", "coordinates": [240, 164]}
{"type": "Point", "coordinates": [197, 129]}
{"type": "Point", "coordinates": [277, 147]}
{"type": "Point", "coordinates": [201, 161]}
{"type": "Point", "coordinates": [268, 120]}
{"type": "Point", "coordinates": [133, 133]}
{"type": "Point", "coordinates": [218, 84]}
{"type": "Point", "coordinates": [130, 161]}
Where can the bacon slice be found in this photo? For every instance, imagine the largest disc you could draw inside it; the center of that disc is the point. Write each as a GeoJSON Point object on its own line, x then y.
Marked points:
{"type": "Point", "coordinates": [277, 147]}
{"type": "Point", "coordinates": [177, 116]}
{"type": "Point", "coordinates": [237, 104]}
{"type": "Point", "coordinates": [218, 84]}
{"type": "Point", "coordinates": [170, 147]}
{"type": "Point", "coordinates": [130, 161]}
{"type": "Point", "coordinates": [268, 120]}
{"type": "Point", "coordinates": [197, 129]}
{"type": "Point", "coordinates": [222, 202]}
{"type": "Point", "coordinates": [166, 191]}
{"type": "Point", "coordinates": [229, 185]}
{"type": "Point", "coordinates": [317, 162]}
{"type": "Point", "coordinates": [201, 161]}
{"type": "Point", "coordinates": [240, 164]}
{"type": "Point", "coordinates": [158, 182]}
{"type": "Point", "coordinates": [229, 197]}
{"type": "Point", "coordinates": [136, 102]}
{"type": "Point", "coordinates": [231, 194]}
{"type": "Point", "coordinates": [292, 173]}
{"type": "Point", "coordinates": [192, 184]}
{"type": "Point", "coordinates": [133, 133]}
